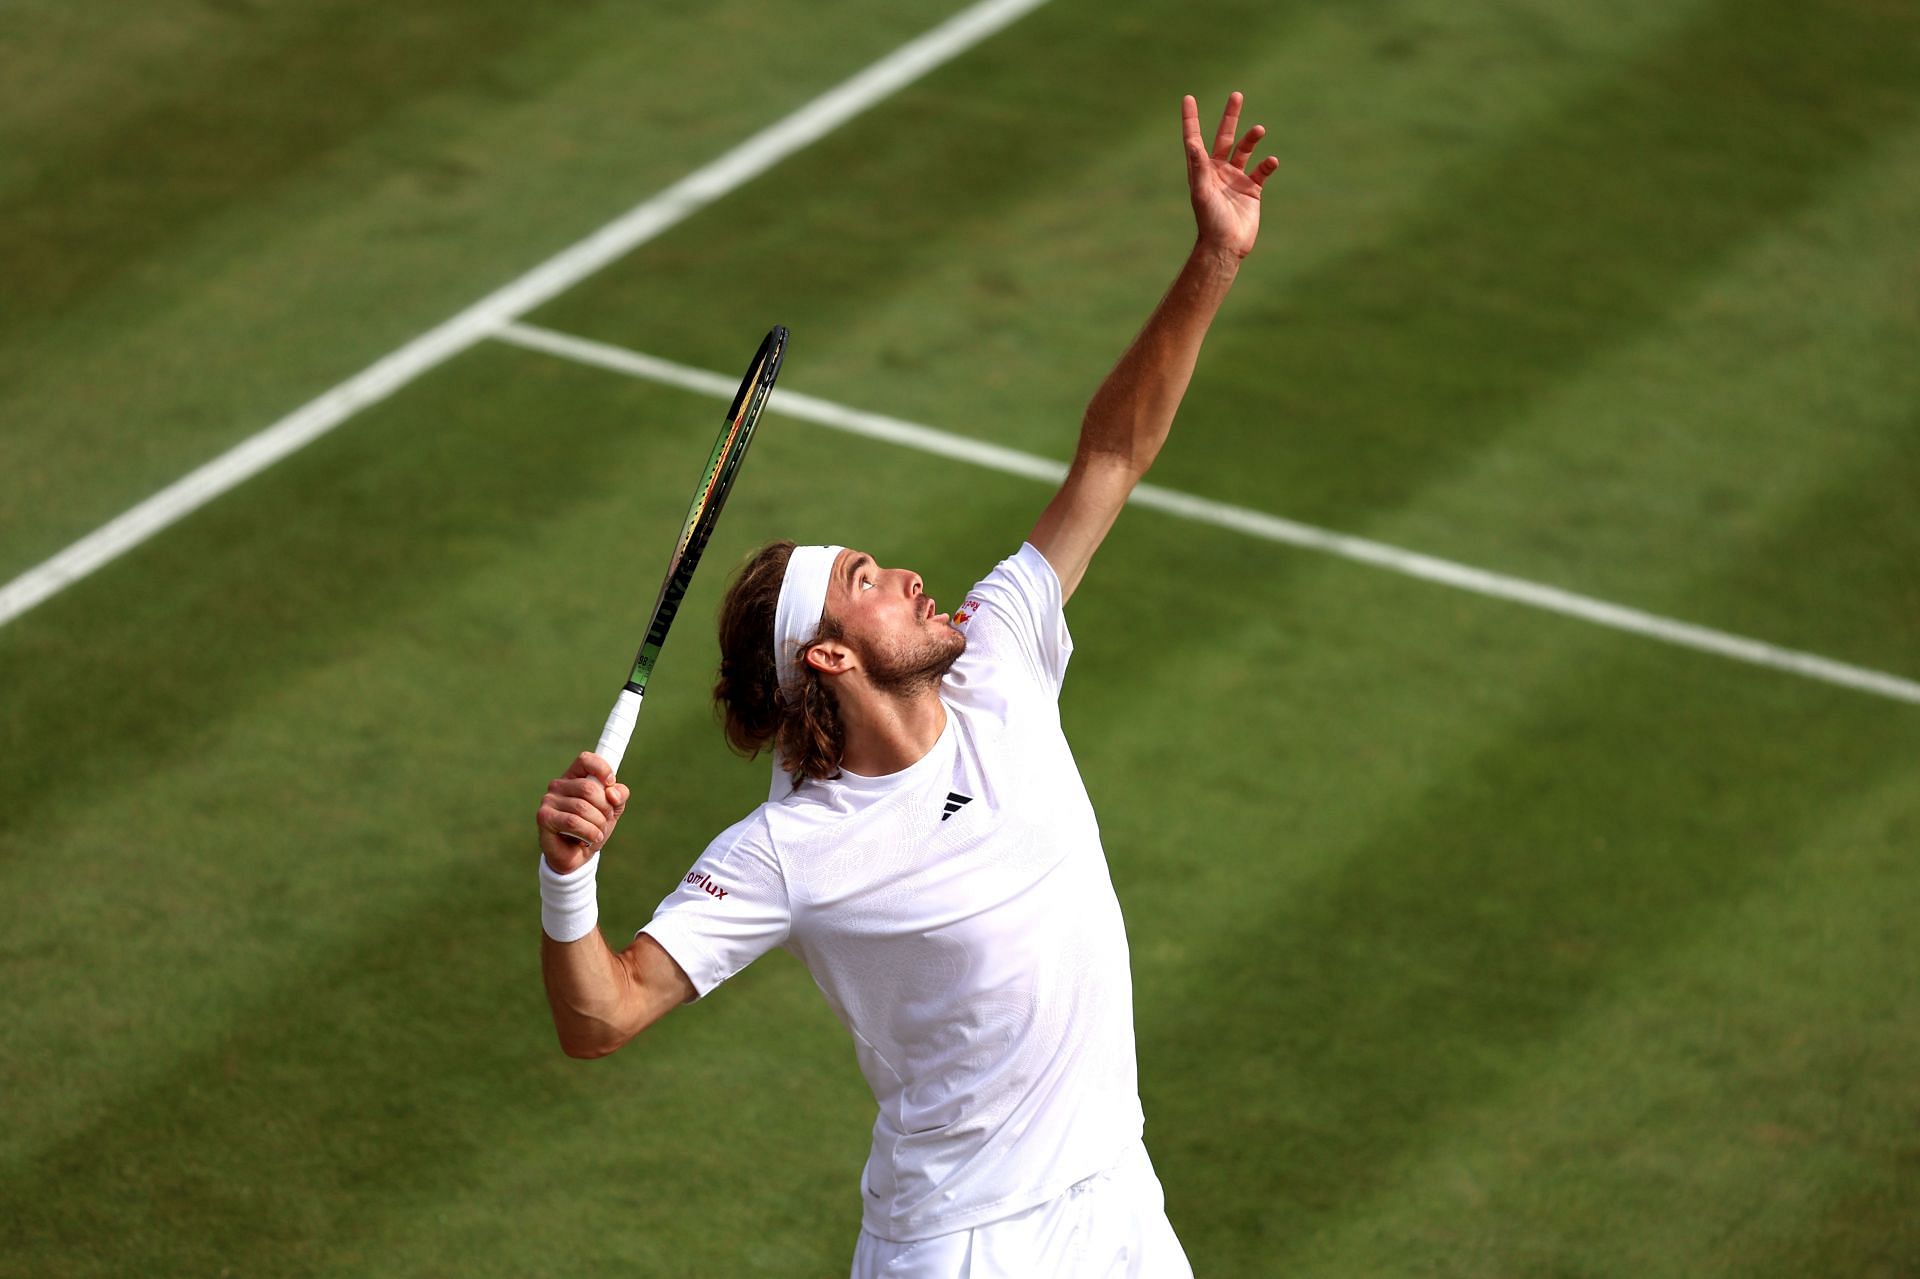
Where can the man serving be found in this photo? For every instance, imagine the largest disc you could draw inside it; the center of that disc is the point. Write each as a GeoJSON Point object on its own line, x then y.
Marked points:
{"type": "Point", "coordinates": [928, 851]}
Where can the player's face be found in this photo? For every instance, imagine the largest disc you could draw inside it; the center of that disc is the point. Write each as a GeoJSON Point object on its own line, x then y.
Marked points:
{"type": "Point", "coordinates": [887, 617]}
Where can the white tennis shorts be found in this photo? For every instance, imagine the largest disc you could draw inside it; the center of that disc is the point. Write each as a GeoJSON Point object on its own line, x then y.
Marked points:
{"type": "Point", "coordinates": [1113, 1225]}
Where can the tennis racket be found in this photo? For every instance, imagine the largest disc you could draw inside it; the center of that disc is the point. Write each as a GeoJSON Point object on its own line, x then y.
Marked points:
{"type": "Point", "coordinates": [728, 452]}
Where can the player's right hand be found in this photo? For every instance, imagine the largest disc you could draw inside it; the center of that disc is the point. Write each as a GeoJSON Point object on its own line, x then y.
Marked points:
{"type": "Point", "coordinates": [578, 813]}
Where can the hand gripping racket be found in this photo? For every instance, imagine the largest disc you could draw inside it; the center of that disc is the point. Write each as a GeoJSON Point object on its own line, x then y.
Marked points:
{"type": "Point", "coordinates": [728, 452]}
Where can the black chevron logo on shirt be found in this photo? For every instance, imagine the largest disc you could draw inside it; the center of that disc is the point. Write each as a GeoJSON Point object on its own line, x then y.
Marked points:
{"type": "Point", "coordinates": [955, 802]}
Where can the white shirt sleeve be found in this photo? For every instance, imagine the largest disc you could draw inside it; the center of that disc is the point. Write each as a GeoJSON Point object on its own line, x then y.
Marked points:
{"type": "Point", "coordinates": [1014, 619]}
{"type": "Point", "coordinates": [727, 911]}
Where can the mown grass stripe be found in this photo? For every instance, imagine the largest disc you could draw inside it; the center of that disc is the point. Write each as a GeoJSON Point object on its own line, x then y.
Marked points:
{"type": "Point", "coordinates": [542, 284]}
{"type": "Point", "coordinates": [1240, 519]}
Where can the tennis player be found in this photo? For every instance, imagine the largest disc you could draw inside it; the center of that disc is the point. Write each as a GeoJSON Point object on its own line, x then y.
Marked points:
{"type": "Point", "coordinates": [928, 850]}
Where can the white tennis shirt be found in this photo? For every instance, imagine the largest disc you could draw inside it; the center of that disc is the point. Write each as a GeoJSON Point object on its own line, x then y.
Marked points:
{"type": "Point", "coordinates": [959, 918]}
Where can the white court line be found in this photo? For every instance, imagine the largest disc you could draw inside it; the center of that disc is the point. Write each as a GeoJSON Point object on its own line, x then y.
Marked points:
{"type": "Point", "coordinates": [1240, 519]}
{"type": "Point", "coordinates": [543, 283]}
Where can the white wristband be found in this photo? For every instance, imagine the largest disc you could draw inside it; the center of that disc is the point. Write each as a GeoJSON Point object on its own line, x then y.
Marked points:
{"type": "Point", "coordinates": [569, 906]}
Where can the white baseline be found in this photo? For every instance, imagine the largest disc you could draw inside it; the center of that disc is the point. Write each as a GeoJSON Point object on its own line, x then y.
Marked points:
{"type": "Point", "coordinates": [543, 283]}
{"type": "Point", "coordinates": [1272, 528]}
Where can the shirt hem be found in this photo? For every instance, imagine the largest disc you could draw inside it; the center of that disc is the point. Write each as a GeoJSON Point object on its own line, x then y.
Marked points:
{"type": "Point", "coordinates": [999, 1209]}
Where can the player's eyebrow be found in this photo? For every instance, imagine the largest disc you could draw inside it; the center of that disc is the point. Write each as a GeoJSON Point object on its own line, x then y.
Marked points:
{"type": "Point", "coordinates": [853, 567]}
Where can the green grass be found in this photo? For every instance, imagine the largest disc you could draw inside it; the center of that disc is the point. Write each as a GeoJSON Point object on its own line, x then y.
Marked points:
{"type": "Point", "coordinates": [1466, 940]}
{"type": "Point", "coordinates": [230, 208]}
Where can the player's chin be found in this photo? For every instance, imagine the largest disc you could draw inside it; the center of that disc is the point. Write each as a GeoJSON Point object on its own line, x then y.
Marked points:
{"type": "Point", "coordinates": [954, 643]}
{"type": "Point", "coordinates": [944, 644]}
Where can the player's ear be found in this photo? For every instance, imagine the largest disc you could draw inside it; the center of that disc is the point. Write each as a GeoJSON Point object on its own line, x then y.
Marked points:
{"type": "Point", "coordinates": [829, 657]}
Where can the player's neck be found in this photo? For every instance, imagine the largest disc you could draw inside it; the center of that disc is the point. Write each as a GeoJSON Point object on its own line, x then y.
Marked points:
{"type": "Point", "coordinates": [887, 732]}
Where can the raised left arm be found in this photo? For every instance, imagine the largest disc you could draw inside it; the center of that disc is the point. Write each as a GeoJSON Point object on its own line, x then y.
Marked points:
{"type": "Point", "coordinates": [1129, 416]}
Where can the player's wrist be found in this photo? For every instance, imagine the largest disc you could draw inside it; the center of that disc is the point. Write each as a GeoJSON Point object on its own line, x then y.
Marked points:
{"type": "Point", "coordinates": [1216, 258]}
{"type": "Point", "coordinates": [570, 858]}
{"type": "Point", "coordinates": [570, 902]}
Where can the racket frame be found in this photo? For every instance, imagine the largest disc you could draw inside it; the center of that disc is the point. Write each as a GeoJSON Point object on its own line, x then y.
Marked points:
{"type": "Point", "coordinates": [703, 514]}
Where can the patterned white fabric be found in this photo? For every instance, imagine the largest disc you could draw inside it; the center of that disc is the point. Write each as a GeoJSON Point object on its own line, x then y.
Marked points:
{"type": "Point", "coordinates": [959, 918]}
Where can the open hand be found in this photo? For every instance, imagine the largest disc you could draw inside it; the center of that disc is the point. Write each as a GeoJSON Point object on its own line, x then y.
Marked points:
{"type": "Point", "coordinates": [1225, 193]}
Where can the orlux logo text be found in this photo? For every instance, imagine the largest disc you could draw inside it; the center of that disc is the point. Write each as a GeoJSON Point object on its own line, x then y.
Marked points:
{"type": "Point", "coordinates": [706, 882]}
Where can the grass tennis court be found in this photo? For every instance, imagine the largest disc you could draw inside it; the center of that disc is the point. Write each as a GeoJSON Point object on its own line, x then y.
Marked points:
{"type": "Point", "coordinates": [1468, 939]}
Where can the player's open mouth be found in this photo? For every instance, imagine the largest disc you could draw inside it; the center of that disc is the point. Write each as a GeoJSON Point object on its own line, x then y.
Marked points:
{"type": "Point", "coordinates": [929, 606]}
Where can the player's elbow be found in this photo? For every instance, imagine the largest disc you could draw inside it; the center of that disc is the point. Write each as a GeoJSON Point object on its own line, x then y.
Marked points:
{"type": "Point", "coordinates": [587, 1049]}
{"type": "Point", "coordinates": [589, 1044]}
{"type": "Point", "coordinates": [1108, 469]}
{"type": "Point", "coordinates": [585, 1037]}
{"type": "Point", "coordinates": [648, 985]}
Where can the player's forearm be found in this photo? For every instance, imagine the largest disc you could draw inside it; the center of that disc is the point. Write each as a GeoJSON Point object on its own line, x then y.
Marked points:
{"type": "Point", "coordinates": [1130, 415]}
{"type": "Point", "coordinates": [591, 994]}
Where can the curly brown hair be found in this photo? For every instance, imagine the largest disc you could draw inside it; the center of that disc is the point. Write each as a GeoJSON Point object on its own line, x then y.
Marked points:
{"type": "Point", "coordinates": [803, 727]}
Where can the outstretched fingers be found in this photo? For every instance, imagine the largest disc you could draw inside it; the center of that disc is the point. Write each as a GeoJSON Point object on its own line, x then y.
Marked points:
{"type": "Point", "coordinates": [1226, 149]}
{"type": "Point", "coordinates": [1229, 126]}
{"type": "Point", "coordinates": [1190, 123]}
{"type": "Point", "coordinates": [1244, 152]}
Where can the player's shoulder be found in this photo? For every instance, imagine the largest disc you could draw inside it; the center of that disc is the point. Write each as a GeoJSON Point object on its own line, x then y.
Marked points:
{"type": "Point", "coordinates": [1021, 596]}
{"type": "Point", "coordinates": [1016, 632]}
{"type": "Point", "coordinates": [1024, 576]}
{"type": "Point", "coordinates": [804, 807]}
{"type": "Point", "coordinates": [751, 836]}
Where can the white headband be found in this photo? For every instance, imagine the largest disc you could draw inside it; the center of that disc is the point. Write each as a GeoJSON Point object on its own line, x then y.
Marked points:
{"type": "Point", "coordinates": [803, 601]}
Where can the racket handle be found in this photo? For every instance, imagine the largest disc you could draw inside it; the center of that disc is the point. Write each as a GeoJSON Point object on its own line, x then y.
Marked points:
{"type": "Point", "coordinates": [619, 729]}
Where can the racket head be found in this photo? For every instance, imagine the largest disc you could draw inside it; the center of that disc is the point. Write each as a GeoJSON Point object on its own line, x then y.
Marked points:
{"type": "Point", "coordinates": [760, 374]}
{"type": "Point", "coordinates": [703, 513]}
{"type": "Point", "coordinates": [743, 415]}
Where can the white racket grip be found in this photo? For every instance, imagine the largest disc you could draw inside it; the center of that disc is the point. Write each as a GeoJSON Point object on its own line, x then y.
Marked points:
{"type": "Point", "coordinates": [619, 730]}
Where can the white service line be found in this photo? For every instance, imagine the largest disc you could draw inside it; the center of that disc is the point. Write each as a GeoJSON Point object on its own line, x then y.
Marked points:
{"type": "Point", "coordinates": [543, 283]}
{"type": "Point", "coordinates": [1238, 518]}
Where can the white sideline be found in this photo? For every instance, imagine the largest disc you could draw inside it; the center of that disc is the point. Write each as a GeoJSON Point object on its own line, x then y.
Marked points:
{"type": "Point", "coordinates": [643, 222]}
{"type": "Point", "coordinates": [1238, 518]}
